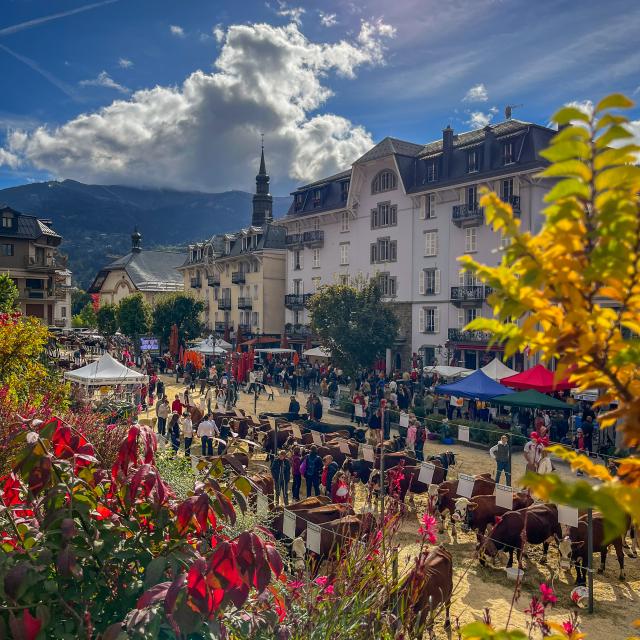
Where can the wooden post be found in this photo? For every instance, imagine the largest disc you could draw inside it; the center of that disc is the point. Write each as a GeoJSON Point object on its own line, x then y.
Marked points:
{"type": "Point", "coordinates": [590, 557]}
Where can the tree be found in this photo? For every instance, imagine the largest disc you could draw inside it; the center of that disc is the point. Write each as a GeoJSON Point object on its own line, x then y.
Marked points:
{"type": "Point", "coordinates": [79, 300]}
{"type": "Point", "coordinates": [8, 293]}
{"type": "Point", "coordinates": [354, 323]}
{"type": "Point", "coordinates": [572, 292]}
{"type": "Point", "coordinates": [86, 317]}
{"type": "Point", "coordinates": [134, 317]}
{"type": "Point", "coordinates": [107, 320]}
{"type": "Point", "coordinates": [180, 309]}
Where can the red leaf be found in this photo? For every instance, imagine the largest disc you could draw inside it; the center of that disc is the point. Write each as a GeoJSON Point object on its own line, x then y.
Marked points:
{"type": "Point", "coordinates": [274, 559]}
{"type": "Point", "coordinates": [40, 474]}
{"type": "Point", "coordinates": [223, 563]}
{"type": "Point", "coordinates": [173, 592]}
{"type": "Point", "coordinates": [11, 486]}
{"type": "Point", "coordinates": [153, 595]}
{"type": "Point", "coordinates": [26, 628]}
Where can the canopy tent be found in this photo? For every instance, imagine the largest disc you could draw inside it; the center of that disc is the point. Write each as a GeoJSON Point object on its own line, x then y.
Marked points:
{"type": "Point", "coordinates": [274, 350]}
{"type": "Point", "coordinates": [477, 385]}
{"type": "Point", "coordinates": [538, 378]}
{"type": "Point", "coordinates": [497, 370]}
{"type": "Point", "coordinates": [317, 352]}
{"type": "Point", "coordinates": [530, 398]}
{"type": "Point", "coordinates": [211, 347]}
{"type": "Point", "coordinates": [105, 371]}
{"type": "Point", "coordinates": [448, 372]}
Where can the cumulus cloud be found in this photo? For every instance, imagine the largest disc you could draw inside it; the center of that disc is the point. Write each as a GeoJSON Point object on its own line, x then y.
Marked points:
{"type": "Point", "coordinates": [124, 63]}
{"type": "Point", "coordinates": [103, 79]}
{"type": "Point", "coordinates": [291, 13]}
{"type": "Point", "coordinates": [328, 19]}
{"type": "Point", "coordinates": [9, 159]}
{"type": "Point", "coordinates": [204, 134]}
{"type": "Point", "coordinates": [176, 31]}
{"type": "Point", "coordinates": [479, 119]}
{"type": "Point", "coordinates": [477, 93]}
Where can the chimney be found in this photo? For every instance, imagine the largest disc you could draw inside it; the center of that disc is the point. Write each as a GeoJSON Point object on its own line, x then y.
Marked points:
{"type": "Point", "coordinates": [488, 147]}
{"type": "Point", "coordinates": [447, 150]}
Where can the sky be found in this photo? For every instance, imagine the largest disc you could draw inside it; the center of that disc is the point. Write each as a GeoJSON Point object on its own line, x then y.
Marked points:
{"type": "Point", "coordinates": [175, 95]}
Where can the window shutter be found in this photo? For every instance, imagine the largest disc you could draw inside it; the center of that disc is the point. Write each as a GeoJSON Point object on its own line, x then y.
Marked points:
{"type": "Point", "coordinates": [302, 259]}
{"type": "Point", "coordinates": [461, 321]}
{"type": "Point", "coordinates": [435, 244]}
{"type": "Point", "coordinates": [292, 258]}
{"type": "Point", "coordinates": [394, 250]}
{"type": "Point", "coordinates": [374, 253]}
{"type": "Point", "coordinates": [392, 286]}
{"type": "Point", "coordinates": [436, 285]}
{"type": "Point", "coordinates": [423, 209]}
{"type": "Point", "coordinates": [432, 205]}
{"type": "Point", "coordinates": [421, 326]}
{"type": "Point", "coordinates": [436, 320]}
{"type": "Point", "coordinates": [421, 282]}
{"type": "Point", "coordinates": [394, 215]}
{"type": "Point", "coordinates": [374, 218]}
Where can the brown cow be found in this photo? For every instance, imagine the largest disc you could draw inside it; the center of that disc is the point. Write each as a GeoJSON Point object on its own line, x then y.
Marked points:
{"type": "Point", "coordinates": [481, 511]}
{"type": "Point", "coordinates": [393, 459]}
{"type": "Point", "coordinates": [539, 522]}
{"type": "Point", "coordinates": [342, 532]}
{"type": "Point", "coordinates": [409, 481]}
{"type": "Point", "coordinates": [302, 505]}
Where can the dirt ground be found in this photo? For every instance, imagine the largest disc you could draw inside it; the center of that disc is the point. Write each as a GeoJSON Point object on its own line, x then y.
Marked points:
{"type": "Point", "coordinates": [617, 603]}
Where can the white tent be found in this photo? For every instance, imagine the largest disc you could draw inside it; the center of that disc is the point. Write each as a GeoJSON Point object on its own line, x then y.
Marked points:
{"type": "Point", "coordinates": [274, 351]}
{"type": "Point", "coordinates": [496, 370]}
{"type": "Point", "coordinates": [105, 371]}
{"type": "Point", "coordinates": [448, 372]}
{"type": "Point", "coordinates": [209, 347]}
{"type": "Point", "coordinates": [317, 352]}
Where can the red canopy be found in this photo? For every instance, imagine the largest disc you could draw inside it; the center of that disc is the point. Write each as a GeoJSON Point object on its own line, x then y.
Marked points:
{"type": "Point", "coordinates": [284, 343]}
{"type": "Point", "coordinates": [538, 378]}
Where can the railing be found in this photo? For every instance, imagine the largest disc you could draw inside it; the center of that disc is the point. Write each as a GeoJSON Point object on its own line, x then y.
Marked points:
{"type": "Point", "coordinates": [59, 322]}
{"type": "Point", "coordinates": [311, 238]}
{"type": "Point", "coordinates": [296, 300]}
{"type": "Point", "coordinates": [245, 329]}
{"type": "Point", "coordinates": [244, 303]}
{"type": "Point", "coordinates": [30, 262]}
{"type": "Point", "coordinates": [297, 330]}
{"type": "Point", "coordinates": [224, 304]}
{"type": "Point", "coordinates": [514, 201]}
{"type": "Point", "coordinates": [221, 326]}
{"type": "Point", "coordinates": [213, 281]}
{"type": "Point", "coordinates": [293, 239]}
{"type": "Point", "coordinates": [467, 213]}
{"type": "Point", "coordinates": [476, 293]}
{"type": "Point", "coordinates": [458, 335]}
{"type": "Point", "coordinates": [196, 283]}
{"type": "Point", "coordinates": [238, 277]}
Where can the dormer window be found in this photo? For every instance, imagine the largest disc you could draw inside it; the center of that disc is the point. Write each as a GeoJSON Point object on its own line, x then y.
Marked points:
{"type": "Point", "coordinates": [344, 190]}
{"type": "Point", "coordinates": [472, 161]}
{"type": "Point", "coordinates": [7, 220]}
{"type": "Point", "coordinates": [385, 181]}
{"type": "Point", "coordinates": [245, 243]}
{"type": "Point", "coordinates": [507, 153]}
{"type": "Point", "coordinates": [299, 201]}
{"type": "Point", "coordinates": [317, 197]}
{"type": "Point", "coordinates": [432, 171]}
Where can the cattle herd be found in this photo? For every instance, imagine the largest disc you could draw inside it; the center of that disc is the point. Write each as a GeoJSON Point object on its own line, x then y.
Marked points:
{"type": "Point", "coordinates": [497, 529]}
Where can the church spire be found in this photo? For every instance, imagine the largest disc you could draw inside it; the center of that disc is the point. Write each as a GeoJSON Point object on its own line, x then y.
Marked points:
{"type": "Point", "coordinates": [262, 200]}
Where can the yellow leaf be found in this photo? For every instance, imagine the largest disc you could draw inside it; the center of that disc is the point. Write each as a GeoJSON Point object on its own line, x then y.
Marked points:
{"type": "Point", "coordinates": [614, 101]}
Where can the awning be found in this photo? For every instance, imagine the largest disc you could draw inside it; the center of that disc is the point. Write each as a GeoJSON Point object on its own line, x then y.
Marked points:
{"type": "Point", "coordinates": [539, 378]}
{"type": "Point", "coordinates": [531, 398]}
{"type": "Point", "coordinates": [274, 350]}
{"type": "Point", "coordinates": [497, 370]}
{"type": "Point", "coordinates": [261, 340]}
{"type": "Point", "coordinates": [477, 385]}
{"type": "Point", "coordinates": [317, 352]}
{"type": "Point", "coordinates": [105, 371]}
{"type": "Point", "coordinates": [448, 372]}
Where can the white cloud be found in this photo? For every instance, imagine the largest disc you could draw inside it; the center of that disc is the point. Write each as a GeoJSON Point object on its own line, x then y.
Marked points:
{"type": "Point", "coordinates": [9, 159]}
{"type": "Point", "coordinates": [103, 79]}
{"type": "Point", "coordinates": [292, 13]}
{"type": "Point", "coordinates": [328, 19]}
{"type": "Point", "coordinates": [204, 134]}
{"type": "Point", "coordinates": [176, 31]}
{"type": "Point", "coordinates": [479, 119]}
{"type": "Point", "coordinates": [477, 93]}
{"type": "Point", "coordinates": [124, 63]}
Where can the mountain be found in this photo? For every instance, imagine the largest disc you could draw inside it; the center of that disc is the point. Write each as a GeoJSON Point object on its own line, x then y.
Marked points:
{"type": "Point", "coordinates": [96, 221]}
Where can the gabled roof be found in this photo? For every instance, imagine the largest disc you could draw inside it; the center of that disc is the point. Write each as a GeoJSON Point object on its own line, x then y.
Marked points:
{"type": "Point", "coordinates": [391, 146]}
{"type": "Point", "coordinates": [28, 227]}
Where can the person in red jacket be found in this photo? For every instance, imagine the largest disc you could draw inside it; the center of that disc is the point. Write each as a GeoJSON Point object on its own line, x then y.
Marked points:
{"type": "Point", "coordinates": [177, 406]}
{"type": "Point", "coordinates": [340, 488]}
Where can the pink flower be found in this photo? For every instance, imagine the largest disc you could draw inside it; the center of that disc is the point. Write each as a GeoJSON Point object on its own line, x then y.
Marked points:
{"type": "Point", "coordinates": [329, 590]}
{"type": "Point", "coordinates": [428, 528]}
{"type": "Point", "coordinates": [321, 581]}
{"type": "Point", "coordinates": [295, 584]}
{"type": "Point", "coordinates": [536, 609]}
{"type": "Point", "coordinates": [569, 627]}
{"type": "Point", "coordinates": [548, 595]}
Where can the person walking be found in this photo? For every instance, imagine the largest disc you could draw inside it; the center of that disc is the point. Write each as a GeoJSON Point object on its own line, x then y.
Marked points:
{"type": "Point", "coordinates": [281, 472]}
{"type": "Point", "coordinates": [207, 429]}
{"type": "Point", "coordinates": [174, 432]}
{"type": "Point", "coordinates": [312, 465]}
{"type": "Point", "coordinates": [162, 411]}
{"type": "Point", "coordinates": [296, 461]}
{"type": "Point", "coordinates": [187, 431]}
{"type": "Point", "coordinates": [160, 389]}
{"type": "Point", "coordinates": [412, 431]}
{"type": "Point", "coordinates": [177, 405]}
{"type": "Point", "coordinates": [202, 376]}
{"type": "Point", "coordinates": [501, 453]}
{"type": "Point", "coordinates": [421, 438]}
{"type": "Point", "coordinates": [225, 434]}
{"type": "Point", "coordinates": [587, 430]}
{"type": "Point", "coordinates": [329, 470]}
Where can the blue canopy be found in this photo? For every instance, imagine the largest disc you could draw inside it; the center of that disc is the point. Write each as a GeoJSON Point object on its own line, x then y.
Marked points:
{"type": "Point", "coordinates": [477, 385]}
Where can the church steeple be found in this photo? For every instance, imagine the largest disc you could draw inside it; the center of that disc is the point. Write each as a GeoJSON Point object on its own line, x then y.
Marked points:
{"type": "Point", "coordinates": [262, 200]}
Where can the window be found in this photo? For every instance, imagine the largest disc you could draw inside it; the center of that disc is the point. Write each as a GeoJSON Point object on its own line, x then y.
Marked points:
{"type": "Point", "coordinates": [343, 279]}
{"type": "Point", "coordinates": [504, 241]}
{"type": "Point", "coordinates": [7, 249]}
{"type": "Point", "coordinates": [316, 282]}
{"type": "Point", "coordinates": [63, 312]}
{"type": "Point", "coordinates": [245, 243]}
{"type": "Point", "coordinates": [430, 210]}
{"type": "Point", "coordinates": [344, 253]}
{"type": "Point", "coordinates": [467, 279]}
{"type": "Point", "coordinates": [344, 190]}
{"type": "Point", "coordinates": [385, 181]}
{"type": "Point", "coordinates": [471, 195]}
{"type": "Point", "coordinates": [429, 319]}
{"type": "Point", "coordinates": [316, 258]}
{"type": "Point", "coordinates": [506, 189]}
{"type": "Point", "coordinates": [7, 220]}
{"type": "Point", "coordinates": [384, 250]}
{"type": "Point", "coordinates": [344, 222]}
{"type": "Point", "coordinates": [385, 215]}
{"type": "Point", "coordinates": [317, 197]}
{"type": "Point", "coordinates": [34, 284]}
{"type": "Point", "coordinates": [299, 201]}
{"type": "Point", "coordinates": [297, 287]}
{"type": "Point", "coordinates": [297, 260]}
{"type": "Point", "coordinates": [429, 282]}
{"type": "Point", "coordinates": [298, 227]}
{"type": "Point", "coordinates": [431, 243]}
{"type": "Point", "coordinates": [470, 239]}
{"type": "Point", "coordinates": [507, 153]}
{"type": "Point", "coordinates": [470, 315]}
{"type": "Point", "coordinates": [387, 285]}
{"type": "Point", "coordinates": [296, 317]}
{"type": "Point", "coordinates": [316, 224]}
{"type": "Point", "coordinates": [255, 318]}
{"type": "Point", "coordinates": [472, 161]}
{"type": "Point", "coordinates": [255, 291]}
{"type": "Point", "coordinates": [432, 171]}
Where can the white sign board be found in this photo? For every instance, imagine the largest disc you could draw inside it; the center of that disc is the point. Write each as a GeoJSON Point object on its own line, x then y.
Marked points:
{"type": "Point", "coordinates": [317, 438]}
{"type": "Point", "coordinates": [367, 453]}
{"type": "Point", "coordinates": [463, 433]}
{"type": "Point", "coordinates": [404, 419]}
{"type": "Point", "coordinates": [504, 496]}
{"type": "Point", "coordinates": [359, 412]}
{"type": "Point", "coordinates": [344, 447]}
{"type": "Point", "coordinates": [289, 524]}
{"type": "Point", "coordinates": [272, 423]}
{"type": "Point", "coordinates": [567, 515]}
{"type": "Point", "coordinates": [465, 485]}
{"type": "Point", "coordinates": [262, 503]}
{"type": "Point", "coordinates": [296, 431]}
{"type": "Point", "coordinates": [426, 472]}
{"type": "Point", "coordinates": [313, 537]}
{"type": "Point", "coordinates": [326, 404]}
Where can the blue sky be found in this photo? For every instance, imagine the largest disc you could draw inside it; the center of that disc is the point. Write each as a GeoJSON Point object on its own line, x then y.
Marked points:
{"type": "Point", "coordinates": [322, 79]}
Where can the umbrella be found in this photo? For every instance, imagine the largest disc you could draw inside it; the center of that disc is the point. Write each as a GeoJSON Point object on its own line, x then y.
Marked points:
{"type": "Point", "coordinates": [477, 385]}
{"type": "Point", "coordinates": [530, 398]}
{"type": "Point", "coordinates": [296, 358]}
{"type": "Point", "coordinates": [173, 340]}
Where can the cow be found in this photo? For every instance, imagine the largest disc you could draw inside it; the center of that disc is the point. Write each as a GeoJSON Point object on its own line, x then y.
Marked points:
{"type": "Point", "coordinates": [448, 492]}
{"type": "Point", "coordinates": [446, 459]}
{"type": "Point", "coordinates": [340, 533]}
{"type": "Point", "coordinates": [360, 469]}
{"type": "Point", "coordinates": [574, 547]}
{"type": "Point", "coordinates": [409, 483]}
{"type": "Point", "coordinates": [393, 459]}
{"type": "Point", "coordinates": [427, 587]}
{"type": "Point", "coordinates": [538, 523]}
{"type": "Point", "coordinates": [303, 506]}
{"type": "Point", "coordinates": [481, 511]}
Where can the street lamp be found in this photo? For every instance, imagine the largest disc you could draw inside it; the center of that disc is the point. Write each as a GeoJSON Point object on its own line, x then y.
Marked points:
{"type": "Point", "coordinates": [255, 384]}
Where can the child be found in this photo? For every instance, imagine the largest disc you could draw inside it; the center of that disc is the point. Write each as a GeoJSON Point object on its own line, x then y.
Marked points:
{"type": "Point", "coordinates": [340, 488]}
{"type": "Point", "coordinates": [411, 436]}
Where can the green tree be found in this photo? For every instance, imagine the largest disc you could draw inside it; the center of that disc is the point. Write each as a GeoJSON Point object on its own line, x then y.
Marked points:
{"type": "Point", "coordinates": [134, 317]}
{"type": "Point", "coordinates": [86, 317]}
{"type": "Point", "coordinates": [79, 300]}
{"type": "Point", "coordinates": [8, 293]}
{"type": "Point", "coordinates": [180, 309]}
{"type": "Point", "coordinates": [354, 323]}
{"type": "Point", "coordinates": [107, 319]}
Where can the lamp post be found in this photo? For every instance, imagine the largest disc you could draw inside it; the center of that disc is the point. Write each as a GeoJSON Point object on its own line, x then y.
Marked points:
{"type": "Point", "coordinates": [255, 384]}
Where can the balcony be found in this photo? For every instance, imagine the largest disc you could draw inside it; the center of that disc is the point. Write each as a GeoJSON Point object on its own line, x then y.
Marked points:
{"type": "Point", "coordinates": [60, 323]}
{"type": "Point", "coordinates": [312, 239]}
{"type": "Point", "coordinates": [514, 201]}
{"type": "Point", "coordinates": [213, 281]}
{"type": "Point", "coordinates": [245, 303]}
{"type": "Point", "coordinates": [39, 264]}
{"type": "Point", "coordinates": [296, 301]}
{"type": "Point", "coordinates": [470, 296]}
{"type": "Point", "coordinates": [224, 304]}
{"type": "Point", "coordinates": [474, 337]}
{"type": "Point", "coordinates": [245, 329]}
{"type": "Point", "coordinates": [196, 283]}
{"type": "Point", "coordinates": [297, 330]}
{"type": "Point", "coordinates": [467, 215]}
{"type": "Point", "coordinates": [222, 326]}
{"type": "Point", "coordinates": [238, 277]}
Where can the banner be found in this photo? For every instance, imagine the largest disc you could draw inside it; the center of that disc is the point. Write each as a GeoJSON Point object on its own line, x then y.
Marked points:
{"type": "Point", "coordinates": [289, 524]}
{"type": "Point", "coordinates": [426, 472]}
{"type": "Point", "coordinates": [344, 447]}
{"type": "Point", "coordinates": [465, 485]}
{"type": "Point", "coordinates": [317, 438]}
{"type": "Point", "coordinates": [404, 419]}
{"type": "Point", "coordinates": [359, 411]}
{"type": "Point", "coordinates": [313, 537]}
{"type": "Point", "coordinates": [296, 431]}
{"type": "Point", "coordinates": [463, 433]}
{"type": "Point", "coordinates": [568, 515]}
{"type": "Point", "coordinates": [262, 503]}
{"type": "Point", "coordinates": [504, 496]}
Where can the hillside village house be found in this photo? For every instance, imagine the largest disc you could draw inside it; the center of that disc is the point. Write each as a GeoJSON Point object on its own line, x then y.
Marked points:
{"type": "Point", "coordinates": [28, 254]}
{"type": "Point", "coordinates": [404, 213]}
{"type": "Point", "coordinates": [240, 276]}
{"type": "Point", "coordinates": [151, 273]}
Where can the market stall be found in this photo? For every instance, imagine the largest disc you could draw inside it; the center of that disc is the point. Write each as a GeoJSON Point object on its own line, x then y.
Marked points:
{"type": "Point", "coordinates": [539, 378]}
{"type": "Point", "coordinates": [478, 385]}
{"type": "Point", "coordinates": [531, 399]}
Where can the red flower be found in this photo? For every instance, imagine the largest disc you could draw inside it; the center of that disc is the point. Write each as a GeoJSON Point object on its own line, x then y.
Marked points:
{"type": "Point", "coordinates": [321, 581]}
{"type": "Point", "coordinates": [569, 627]}
{"type": "Point", "coordinates": [536, 609]}
{"type": "Point", "coordinates": [548, 595]}
{"type": "Point", "coordinates": [10, 488]}
{"type": "Point", "coordinates": [428, 528]}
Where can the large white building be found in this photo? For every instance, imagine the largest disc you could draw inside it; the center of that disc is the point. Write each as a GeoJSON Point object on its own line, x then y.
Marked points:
{"type": "Point", "coordinates": [404, 213]}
